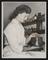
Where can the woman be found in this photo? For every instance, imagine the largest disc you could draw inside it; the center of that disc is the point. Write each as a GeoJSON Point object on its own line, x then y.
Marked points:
{"type": "Point", "coordinates": [15, 31]}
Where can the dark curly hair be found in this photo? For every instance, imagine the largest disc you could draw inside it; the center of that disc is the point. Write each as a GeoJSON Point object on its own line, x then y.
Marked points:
{"type": "Point", "coordinates": [20, 9]}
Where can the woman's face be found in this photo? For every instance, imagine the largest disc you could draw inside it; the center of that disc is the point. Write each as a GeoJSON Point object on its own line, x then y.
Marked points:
{"type": "Point", "coordinates": [23, 16]}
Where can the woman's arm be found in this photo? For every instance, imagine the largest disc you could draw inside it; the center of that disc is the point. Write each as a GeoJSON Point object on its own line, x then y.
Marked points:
{"type": "Point", "coordinates": [28, 39]}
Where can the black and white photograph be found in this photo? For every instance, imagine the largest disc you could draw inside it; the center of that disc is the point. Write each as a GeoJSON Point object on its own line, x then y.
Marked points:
{"type": "Point", "coordinates": [23, 29]}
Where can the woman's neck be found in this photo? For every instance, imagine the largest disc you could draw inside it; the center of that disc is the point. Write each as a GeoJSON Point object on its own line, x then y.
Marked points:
{"type": "Point", "coordinates": [18, 19]}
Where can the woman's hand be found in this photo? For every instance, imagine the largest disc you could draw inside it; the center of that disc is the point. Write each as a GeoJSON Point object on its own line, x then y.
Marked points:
{"type": "Point", "coordinates": [32, 35]}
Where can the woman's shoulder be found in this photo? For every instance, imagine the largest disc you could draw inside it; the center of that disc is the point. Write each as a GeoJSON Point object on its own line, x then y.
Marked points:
{"type": "Point", "coordinates": [8, 27]}
{"type": "Point", "coordinates": [10, 24]}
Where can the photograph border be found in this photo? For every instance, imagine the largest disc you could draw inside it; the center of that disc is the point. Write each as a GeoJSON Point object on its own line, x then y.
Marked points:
{"type": "Point", "coordinates": [2, 25]}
